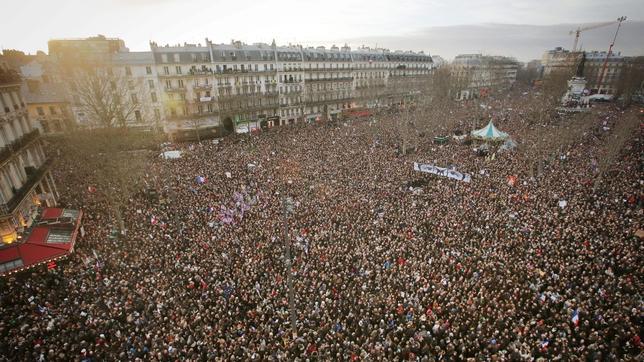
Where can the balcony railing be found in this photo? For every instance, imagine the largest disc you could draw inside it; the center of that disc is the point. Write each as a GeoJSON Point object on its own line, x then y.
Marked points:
{"type": "Point", "coordinates": [291, 81]}
{"type": "Point", "coordinates": [172, 89]}
{"type": "Point", "coordinates": [341, 79]}
{"type": "Point", "coordinates": [327, 69]}
{"type": "Point", "coordinates": [329, 101]}
{"type": "Point", "coordinates": [245, 71]}
{"type": "Point", "coordinates": [20, 194]}
{"type": "Point", "coordinates": [15, 146]}
{"type": "Point", "coordinates": [202, 86]}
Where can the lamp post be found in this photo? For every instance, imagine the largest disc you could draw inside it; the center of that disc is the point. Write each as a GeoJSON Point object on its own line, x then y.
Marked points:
{"type": "Point", "coordinates": [288, 209]}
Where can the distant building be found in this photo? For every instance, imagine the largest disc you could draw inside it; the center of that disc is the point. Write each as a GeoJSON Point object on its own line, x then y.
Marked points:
{"type": "Point", "coordinates": [559, 60]}
{"type": "Point", "coordinates": [609, 78]}
{"type": "Point", "coordinates": [25, 179]}
{"type": "Point", "coordinates": [46, 97]}
{"type": "Point", "coordinates": [438, 61]}
{"type": "Point", "coordinates": [194, 88]}
{"type": "Point", "coordinates": [483, 74]}
{"type": "Point", "coordinates": [85, 47]}
{"type": "Point", "coordinates": [261, 85]}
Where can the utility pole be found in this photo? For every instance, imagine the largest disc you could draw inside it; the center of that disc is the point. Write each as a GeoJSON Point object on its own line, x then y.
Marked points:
{"type": "Point", "coordinates": [288, 209]}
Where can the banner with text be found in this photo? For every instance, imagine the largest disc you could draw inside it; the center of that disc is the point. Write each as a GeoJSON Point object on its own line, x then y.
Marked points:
{"type": "Point", "coordinates": [441, 171]}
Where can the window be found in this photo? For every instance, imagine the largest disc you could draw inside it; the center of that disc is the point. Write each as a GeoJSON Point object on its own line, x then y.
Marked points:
{"type": "Point", "coordinates": [153, 96]}
{"type": "Point", "coordinates": [137, 115]}
{"type": "Point", "coordinates": [148, 70]}
{"type": "Point", "coordinates": [210, 107]}
{"type": "Point", "coordinates": [168, 84]}
{"type": "Point", "coordinates": [128, 71]}
{"type": "Point", "coordinates": [134, 98]}
{"type": "Point", "coordinates": [41, 112]}
{"type": "Point", "coordinates": [166, 70]}
{"type": "Point", "coordinates": [52, 110]}
{"type": "Point", "coordinates": [151, 83]}
{"type": "Point", "coordinates": [10, 265]}
{"type": "Point", "coordinates": [157, 113]}
{"type": "Point", "coordinates": [176, 58]}
{"type": "Point", "coordinates": [180, 83]}
{"type": "Point", "coordinates": [164, 58]}
{"type": "Point", "coordinates": [178, 69]}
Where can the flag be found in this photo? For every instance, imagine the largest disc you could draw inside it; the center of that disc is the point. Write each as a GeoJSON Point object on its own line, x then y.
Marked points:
{"type": "Point", "coordinates": [575, 317]}
{"type": "Point", "coordinates": [545, 343]}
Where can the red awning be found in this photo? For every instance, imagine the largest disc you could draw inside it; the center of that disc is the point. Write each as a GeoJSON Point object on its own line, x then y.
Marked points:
{"type": "Point", "coordinates": [47, 240]}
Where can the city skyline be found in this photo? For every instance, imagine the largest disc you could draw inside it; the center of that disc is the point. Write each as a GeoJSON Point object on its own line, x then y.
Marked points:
{"type": "Point", "coordinates": [436, 27]}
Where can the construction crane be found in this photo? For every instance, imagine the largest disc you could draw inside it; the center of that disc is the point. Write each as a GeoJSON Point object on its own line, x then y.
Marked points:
{"type": "Point", "coordinates": [610, 50]}
{"type": "Point", "coordinates": [590, 27]}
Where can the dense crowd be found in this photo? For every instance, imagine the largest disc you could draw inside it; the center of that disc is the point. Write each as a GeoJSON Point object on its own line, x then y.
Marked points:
{"type": "Point", "coordinates": [544, 267]}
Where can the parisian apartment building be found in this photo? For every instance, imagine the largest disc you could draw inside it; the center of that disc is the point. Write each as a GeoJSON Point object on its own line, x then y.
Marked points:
{"type": "Point", "coordinates": [601, 70]}
{"type": "Point", "coordinates": [207, 87]}
{"type": "Point", "coordinates": [483, 74]}
{"type": "Point", "coordinates": [25, 177]}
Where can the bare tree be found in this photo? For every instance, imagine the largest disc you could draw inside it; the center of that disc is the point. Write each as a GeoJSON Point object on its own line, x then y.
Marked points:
{"type": "Point", "coordinates": [631, 80]}
{"type": "Point", "coordinates": [104, 95]}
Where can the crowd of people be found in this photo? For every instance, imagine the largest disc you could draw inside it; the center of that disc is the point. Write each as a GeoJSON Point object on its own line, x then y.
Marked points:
{"type": "Point", "coordinates": [546, 267]}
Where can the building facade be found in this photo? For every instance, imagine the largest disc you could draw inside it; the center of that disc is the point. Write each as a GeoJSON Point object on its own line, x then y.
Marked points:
{"type": "Point", "coordinates": [215, 85]}
{"type": "Point", "coordinates": [208, 88]}
{"type": "Point", "coordinates": [606, 82]}
{"type": "Point", "coordinates": [47, 102]}
{"type": "Point", "coordinates": [482, 74]}
{"type": "Point", "coordinates": [25, 179]}
{"type": "Point", "coordinates": [559, 60]}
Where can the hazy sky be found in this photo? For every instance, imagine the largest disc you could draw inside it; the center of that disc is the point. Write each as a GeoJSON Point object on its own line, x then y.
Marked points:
{"type": "Point", "coordinates": [28, 24]}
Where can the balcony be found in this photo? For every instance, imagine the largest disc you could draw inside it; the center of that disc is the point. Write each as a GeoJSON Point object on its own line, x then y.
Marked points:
{"type": "Point", "coordinates": [175, 90]}
{"type": "Point", "coordinates": [202, 87]}
{"type": "Point", "coordinates": [244, 72]}
{"type": "Point", "coordinates": [18, 144]}
{"type": "Point", "coordinates": [198, 72]}
{"type": "Point", "coordinates": [20, 194]}
{"type": "Point", "coordinates": [328, 101]}
{"type": "Point", "coordinates": [290, 81]}
{"type": "Point", "coordinates": [341, 79]}
{"type": "Point", "coordinates": [314, 70]}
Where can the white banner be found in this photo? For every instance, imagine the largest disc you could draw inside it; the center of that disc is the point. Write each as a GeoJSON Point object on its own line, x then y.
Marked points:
{"type": "Point", "coordinates": [441, 171]}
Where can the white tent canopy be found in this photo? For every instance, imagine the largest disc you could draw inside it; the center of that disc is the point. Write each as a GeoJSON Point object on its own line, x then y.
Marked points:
{"type": "Point", "coordinates": [489, 133]}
